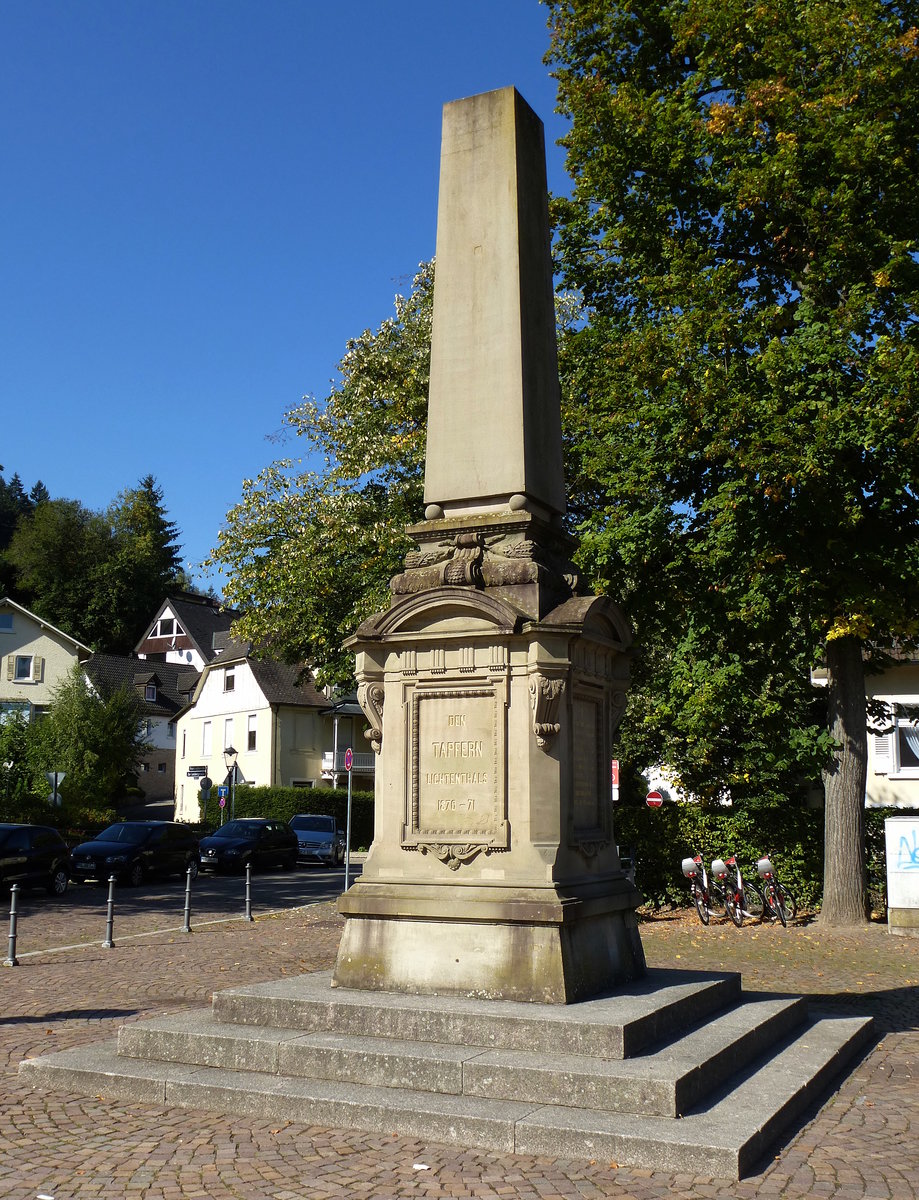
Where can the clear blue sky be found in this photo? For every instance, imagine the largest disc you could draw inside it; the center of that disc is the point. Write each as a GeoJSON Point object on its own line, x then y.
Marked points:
{"type": "Point", "coordinates": [202, 200]}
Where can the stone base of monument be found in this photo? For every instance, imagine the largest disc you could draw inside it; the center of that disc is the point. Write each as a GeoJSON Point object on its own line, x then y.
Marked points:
{"type": "Point", "coordinates": [678, 1072]}
{"type": "Point", "coordinates": [479, 942]}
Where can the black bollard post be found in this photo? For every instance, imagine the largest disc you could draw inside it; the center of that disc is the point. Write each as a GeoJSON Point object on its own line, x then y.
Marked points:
{"type": "Point", "coordinates": [109, 942]}
{"type": "Point", "coordinates": [186, 928]}
{"type": "Point", "coordinates": [249, 916]}
{"type": "Point", "coordinates": [11, 960]}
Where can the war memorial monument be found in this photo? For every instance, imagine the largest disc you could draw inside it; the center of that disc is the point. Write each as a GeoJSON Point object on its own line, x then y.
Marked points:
{"type": "Point", "coordinates": [490, 988]}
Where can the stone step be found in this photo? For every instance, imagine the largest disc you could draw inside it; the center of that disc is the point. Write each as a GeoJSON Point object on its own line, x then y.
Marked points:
{"type": "Point", "coordinates": [665, 1082]}
{"type": "Point", "coordinates": [723, 1136]}
{"type": "Point", "coordinates": [729, 1134]}
{"type": "Point", "coordinates": [616, 1026]}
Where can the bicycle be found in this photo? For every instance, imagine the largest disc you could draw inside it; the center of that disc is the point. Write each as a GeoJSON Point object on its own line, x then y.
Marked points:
{"type": "Point", "coordinates": [699, 886]}
{"type": "Point", "coordinates": [779, 901]}
{"type": "Point", "coordinates": [741, 899]}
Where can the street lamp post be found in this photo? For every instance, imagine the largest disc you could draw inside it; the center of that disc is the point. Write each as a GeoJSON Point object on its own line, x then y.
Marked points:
{"type": "Point", "coordinates": [229, 758]}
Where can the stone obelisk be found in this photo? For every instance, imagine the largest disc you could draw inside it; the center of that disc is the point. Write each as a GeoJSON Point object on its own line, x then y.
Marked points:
{"type": "Point", "coordinates": [492, 683]}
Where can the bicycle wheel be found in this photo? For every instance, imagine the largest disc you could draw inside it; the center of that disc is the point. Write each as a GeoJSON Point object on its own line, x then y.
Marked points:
{"type": "Point", "coordinates": [774, 900]}
{"type": "Point", "coordinates": [701, 907]}
{"type": "Point", "coordinates": [733, 905]}
{"type": "Point", "coordinates": [789, 902]}
{"type": "Point", "coordinates": [753, 902]}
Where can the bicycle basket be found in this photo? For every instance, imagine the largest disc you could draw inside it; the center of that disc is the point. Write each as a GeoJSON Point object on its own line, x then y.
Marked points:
{"type": "Point", "coordinates": [719, 867]}
{"type": "Point", "coordinates": [690, 867]}
{"type": "Point", "coordinates": [764, 867]}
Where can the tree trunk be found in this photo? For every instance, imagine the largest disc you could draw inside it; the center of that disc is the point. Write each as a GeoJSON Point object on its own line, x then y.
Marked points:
{"type": "Point", "coordinates": [845, 891]}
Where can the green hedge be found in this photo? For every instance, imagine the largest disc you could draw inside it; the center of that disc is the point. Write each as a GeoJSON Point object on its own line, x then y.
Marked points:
{"type": "Point", "coordinates": [282, 803]}
{"type": "Point", "coordinates": [661, 838]}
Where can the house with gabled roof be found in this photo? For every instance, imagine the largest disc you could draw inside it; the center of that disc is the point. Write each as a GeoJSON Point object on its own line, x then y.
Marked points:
{"type": "Point", "coordinates": [35, 657]}
{"type": "Point", "coordinates": [187, 628]}
{"type": "Point", "coordinates": [253, 720]}
{"type": "Point", "coordinates": [163, 689]}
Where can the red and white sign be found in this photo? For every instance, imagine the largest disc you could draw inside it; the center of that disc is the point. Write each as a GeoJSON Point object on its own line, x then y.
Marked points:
{"type": "Point", "coordinates": [349, 759]}
{"type": "Point", "coordinates": [654, 799]}
{"type": "Point", "coordinates": [614, 772]}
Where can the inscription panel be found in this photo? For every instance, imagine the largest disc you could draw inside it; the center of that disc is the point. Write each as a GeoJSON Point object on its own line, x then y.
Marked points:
{"type": "Point", "coordinates": [456, 767]}
{"type": "Point", "coordinates": [586, 814]}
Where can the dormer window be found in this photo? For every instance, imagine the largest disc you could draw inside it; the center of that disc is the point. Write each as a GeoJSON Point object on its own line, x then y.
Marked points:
{"type": "Point", "coordinates": [229, 679]}
{"type": "Point", "coordinates": [166, 627]}
{"type": "Point", "coordinates": [150, 691]}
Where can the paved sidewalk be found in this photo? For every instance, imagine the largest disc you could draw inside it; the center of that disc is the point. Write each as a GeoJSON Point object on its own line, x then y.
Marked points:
{"type": "Point", "coordinates": [864, 1142]}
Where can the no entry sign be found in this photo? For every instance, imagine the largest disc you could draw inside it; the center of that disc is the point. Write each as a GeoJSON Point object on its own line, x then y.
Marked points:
{"type": "Point", "coordinates": [654, 799]}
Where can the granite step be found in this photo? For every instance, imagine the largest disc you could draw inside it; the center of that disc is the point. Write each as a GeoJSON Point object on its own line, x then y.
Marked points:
{"type": "Point", "coordinates": [619, 1025]}
{"type": "Point", "coordinates": [665, 1082]}
{"type": "Point", "coordinates": [725, 1134]}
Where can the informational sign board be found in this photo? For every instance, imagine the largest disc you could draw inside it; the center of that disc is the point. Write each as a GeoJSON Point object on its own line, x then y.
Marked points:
{"type": "Point", "coordinates": [902, 839]}
{"type": "Point", "coordinates": [196, 772]}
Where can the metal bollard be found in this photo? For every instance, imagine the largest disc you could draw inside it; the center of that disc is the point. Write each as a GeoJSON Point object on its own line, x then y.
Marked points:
{"type": "Point", "coordinates": [109, 942]}
{"type": "Point", "coordinates": [11, 960]}
{"type": "Point", "coordinates": [186, 928]}
{"type": "Point", "coordinates": [249, 916]}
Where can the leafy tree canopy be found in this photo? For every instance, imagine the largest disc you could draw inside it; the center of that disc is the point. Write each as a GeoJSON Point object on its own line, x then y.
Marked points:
{"type": "Point", "coordinates": [309, 552]}
{"type": "Point", "coordinates": [95, 738]}
{"type": "Point", "coordinates": [744, 232]}
{"type": "Point", "coordinates": [97, 576]}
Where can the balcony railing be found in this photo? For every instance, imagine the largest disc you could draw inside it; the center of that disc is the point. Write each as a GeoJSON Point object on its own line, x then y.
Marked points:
{"type": "Point", "coordinates": [364, 763]}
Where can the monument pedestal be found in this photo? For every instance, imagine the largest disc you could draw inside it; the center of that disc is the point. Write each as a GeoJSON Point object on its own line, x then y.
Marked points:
{"type": "Point", "coordinates": [494, 871]}
{"type": "Point", "coordinates": [491, 684]}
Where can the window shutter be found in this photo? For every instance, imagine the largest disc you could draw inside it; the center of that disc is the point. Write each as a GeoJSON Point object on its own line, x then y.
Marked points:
{"type": "Point", "coordinates": [38, 668]}
{"type": "Point", "coordinates": [10, 666]}
{"type": "Point", "coordinates": [883, 752]}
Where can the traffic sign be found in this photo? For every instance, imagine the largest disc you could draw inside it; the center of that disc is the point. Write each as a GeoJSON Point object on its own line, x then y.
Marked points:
{"type": "Point", "coordinates": [222, 801]}
{"type": "Point", "coordinates": [223, 791]}
{"type": "Point", "coordinates": [196, 772]}
{"type": "Point", "coordinates": [654, 799]}
{"type": "Point", "coordinates": [349, 759]}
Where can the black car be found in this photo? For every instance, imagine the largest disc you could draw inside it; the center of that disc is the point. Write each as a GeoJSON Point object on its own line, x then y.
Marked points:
{"type": "Point", "coordinates": [34, 854]}
{"type": "Point", "coordinates": [259, 840]}
{"type": "Point", "coordinates": [318, 837]}
{"type": "Point", "coordinates": [131, 850]}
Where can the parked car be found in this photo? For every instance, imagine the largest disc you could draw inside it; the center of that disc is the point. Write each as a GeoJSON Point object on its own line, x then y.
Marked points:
{"type": "Point", "coordinates": [319, 838]}
{"type": "Point", "coordinates": [34, 855]}
{"type": "Point", "coordinates": [131, 850]}
{"type": "Point", "coordinates": [258, 840]}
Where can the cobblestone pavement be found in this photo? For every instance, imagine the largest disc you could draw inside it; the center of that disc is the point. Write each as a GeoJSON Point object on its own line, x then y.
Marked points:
{"type": "Point", "coordinates": [864, 1141]}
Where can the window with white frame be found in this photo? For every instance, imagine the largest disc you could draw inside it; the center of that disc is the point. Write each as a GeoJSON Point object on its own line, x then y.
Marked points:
{"type": "Point", "coordinates": [24, 668]}
{"type": "Point", "coordinates": [228, 733]}
{"type": "Point", "coordinates": [166, 627]}
{"type": "Point", "coordinates": [896, 749]}
{"type": "Point", "coordinates": [150, 691]}
{"type": "Point", "coordinates": [229, 679]}
{"type": "Point", "coordinates": [206, 739]}
{"type": "Point", "coordinates": [251, 734]}
{"type": "Point", "coordinates": [184, 738]}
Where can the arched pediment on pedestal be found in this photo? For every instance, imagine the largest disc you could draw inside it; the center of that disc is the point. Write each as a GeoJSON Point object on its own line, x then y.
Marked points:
{"type": "Point", "coordinates": [592, 617]}
{"type": "Point", "coordinates": [443, 610]}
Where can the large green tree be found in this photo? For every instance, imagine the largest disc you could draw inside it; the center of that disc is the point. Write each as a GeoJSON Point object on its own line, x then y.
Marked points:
{"type": "Point", "coordinates": [309, 550]}
{"type": "Point", "coordinates": [744, 230]}
{"type": "Point", "coordinates": [95, 737]}
{"type": "Point", "coordinates": [98, 576]}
